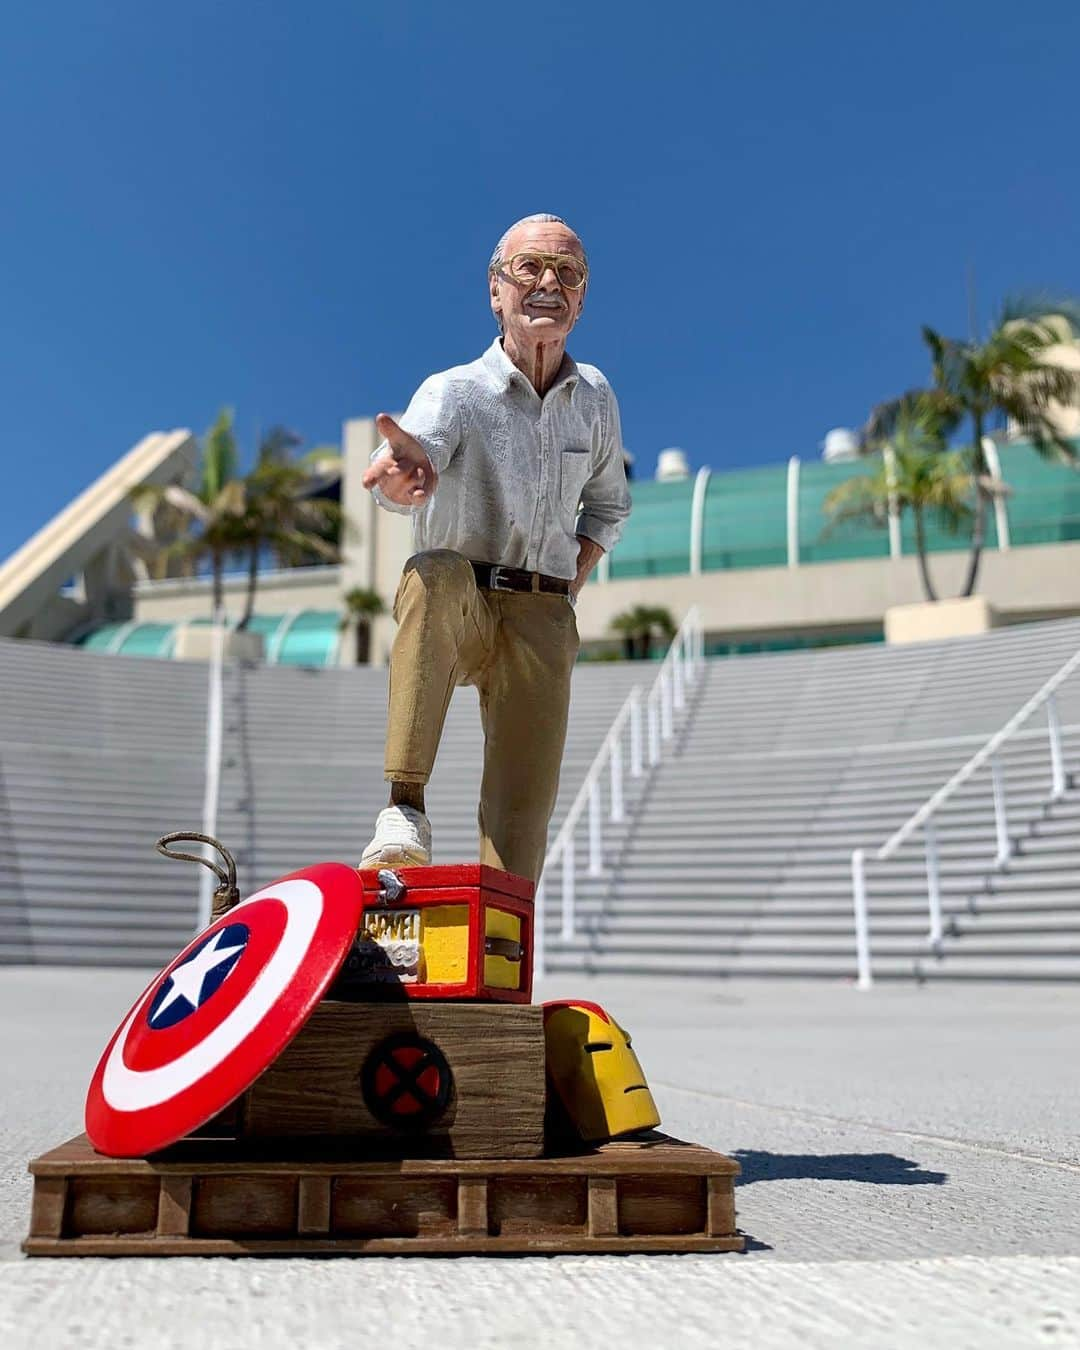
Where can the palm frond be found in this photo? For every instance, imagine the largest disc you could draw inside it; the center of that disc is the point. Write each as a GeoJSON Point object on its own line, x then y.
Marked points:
{"type": "Point", "coordinates": [363, 602]}
{"type": "Point", "coordinates": [1040, 306]}
{"type": "Point", "coordinates": [925, 415]}
{"type": "Point", "coordinates": [658, 618]}
{"type": "Point", "coordinates": [219, 455]}
{"type": "Point", "coordinates": [230, 500]}
{"type": "Point", "coordinates": [277, 445]}
{"type": "Point", "coordinates": [186, 502]}
{"type": "Point", "coordinates": [297, 543]}
{"type": "Point", "coordinates": [864, 499]}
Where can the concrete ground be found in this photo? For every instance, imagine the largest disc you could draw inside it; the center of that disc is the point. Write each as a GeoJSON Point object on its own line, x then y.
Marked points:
{"type": "Point", "coordinates": [911, 1177]}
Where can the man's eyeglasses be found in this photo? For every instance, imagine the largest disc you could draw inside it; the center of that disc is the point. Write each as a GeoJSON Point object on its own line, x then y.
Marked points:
{"type": "Point", "coordinates": [570, 272]}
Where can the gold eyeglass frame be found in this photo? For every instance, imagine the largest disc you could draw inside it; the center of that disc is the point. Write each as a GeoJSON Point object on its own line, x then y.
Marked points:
{"type": "Point", "coordinates": [553, 260]}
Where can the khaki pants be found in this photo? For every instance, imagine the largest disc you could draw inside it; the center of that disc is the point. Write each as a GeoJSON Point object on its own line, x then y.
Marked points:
{"type": "Point", "coordinates": [518, 649]}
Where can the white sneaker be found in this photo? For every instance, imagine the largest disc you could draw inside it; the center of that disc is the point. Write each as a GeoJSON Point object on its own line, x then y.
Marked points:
{"type": "Point", "coordinates": [402, 839]}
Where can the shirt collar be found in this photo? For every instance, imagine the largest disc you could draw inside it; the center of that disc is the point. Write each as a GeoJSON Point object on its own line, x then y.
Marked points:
{"type": "Point", "coordinates": [507, 374]}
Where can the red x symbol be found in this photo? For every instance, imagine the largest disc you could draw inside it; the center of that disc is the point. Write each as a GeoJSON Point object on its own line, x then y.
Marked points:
{"type": "Point", "coordinates": [406, 1080]}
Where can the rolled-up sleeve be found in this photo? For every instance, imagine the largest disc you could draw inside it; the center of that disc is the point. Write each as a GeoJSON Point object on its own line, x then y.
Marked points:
{"type": "Point", "coordinates": [433, 417]}
{"type": "Point", "coordinates": [605, 499]}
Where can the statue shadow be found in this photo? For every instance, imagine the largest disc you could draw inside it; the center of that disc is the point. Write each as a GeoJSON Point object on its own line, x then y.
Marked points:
{"type": "Point", "coordinates": [877, 1169]}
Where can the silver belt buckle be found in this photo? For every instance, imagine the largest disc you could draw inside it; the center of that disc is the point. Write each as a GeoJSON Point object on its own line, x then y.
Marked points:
{"type": "Point", "coordinates": [494, 581]}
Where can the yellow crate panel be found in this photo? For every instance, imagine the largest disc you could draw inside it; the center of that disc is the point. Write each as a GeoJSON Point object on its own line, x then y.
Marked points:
{"type": "Point", "coordinates": [444, 941]}
{"type": "Point", "coordinates": [499, 973]}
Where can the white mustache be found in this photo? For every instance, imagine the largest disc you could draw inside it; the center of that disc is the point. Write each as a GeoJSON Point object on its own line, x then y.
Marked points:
{"type": "Point", "coordinates": [545, 298]}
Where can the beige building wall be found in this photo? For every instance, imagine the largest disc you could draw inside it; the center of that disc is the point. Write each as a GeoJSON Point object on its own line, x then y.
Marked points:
{"type": "Point", "coordinates": [1023, 584]}
{"type": "Point", "coordinates": [179, 600]}
{"type": "Point", "coordinates": [91, 539]}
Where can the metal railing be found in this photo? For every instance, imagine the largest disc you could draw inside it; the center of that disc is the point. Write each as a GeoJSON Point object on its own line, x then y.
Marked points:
{"type": "Point", "coordinates": [923, 818]}
{"type": "Point", "coordinates": [212, 778]}
{"type": "Point", "coordinates": [648, 721]}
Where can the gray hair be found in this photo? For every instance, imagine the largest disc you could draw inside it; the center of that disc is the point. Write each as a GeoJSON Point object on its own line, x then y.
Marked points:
{"type": "Point", "coordinates": [542, 218]}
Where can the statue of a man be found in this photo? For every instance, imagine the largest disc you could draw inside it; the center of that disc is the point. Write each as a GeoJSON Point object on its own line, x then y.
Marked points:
{"type": "Point", "coordinates": [512, 467]}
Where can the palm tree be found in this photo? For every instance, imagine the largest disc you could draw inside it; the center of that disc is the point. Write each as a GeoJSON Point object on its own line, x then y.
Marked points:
{"type": "Point", "coordinates": [215, 512]}
{"type": "Point", "coordinates": [638, 626]}
{"type": "Point", "coordinates": [361, 606]}
{"type": "Point", "coordinates": [917, 472]}
{"type": "Point", "coordinates": [274, 509]}
{"type": "Point", "coordinates": [284, 513]}
{"type": "Point", "coordinates": [1012, 373]}
{"type": "Point", "coordinates": [627, 626]}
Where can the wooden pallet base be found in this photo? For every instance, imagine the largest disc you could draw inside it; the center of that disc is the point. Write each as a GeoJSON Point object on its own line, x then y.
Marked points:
{"type": "Point", "coordinates": [209, 1198]}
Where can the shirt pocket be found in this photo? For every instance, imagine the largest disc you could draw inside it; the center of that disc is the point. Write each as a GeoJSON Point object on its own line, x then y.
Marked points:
{"type": "Point", "coordinates": [575, 466]}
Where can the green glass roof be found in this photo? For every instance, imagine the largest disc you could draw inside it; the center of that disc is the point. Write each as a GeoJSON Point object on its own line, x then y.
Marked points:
{"type": "Point", "coordinates": [659, 543]}
{"type": "Point", "coordinates": [1044, 505]}
{"type": "Point", "coordinates": [744, 521]}
{"type": "Point", "coordinates": [842, 543]}
{"type": "Point", "coordinates": [744, 517]}
{"type": "Point", "coordinates": [302, 638]}
{"type": "Point", "coordinates": [132, 639]}
{"type": "Point", "coordinates": [310, 640]}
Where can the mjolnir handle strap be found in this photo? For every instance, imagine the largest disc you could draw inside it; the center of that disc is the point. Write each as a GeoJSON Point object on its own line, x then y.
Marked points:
{"type": "Point", "coordinates": [227, 893]}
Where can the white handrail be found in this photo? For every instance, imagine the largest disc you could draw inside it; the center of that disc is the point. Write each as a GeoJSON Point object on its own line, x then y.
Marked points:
{"type": "Point", "coordinates": [978, 759]}
{"type": "Point", "coordinates": [679, 669]}
{"type": "Point", "coordinates": [923, 818]}
{"type": "Point", "coordinates": [212, 776]}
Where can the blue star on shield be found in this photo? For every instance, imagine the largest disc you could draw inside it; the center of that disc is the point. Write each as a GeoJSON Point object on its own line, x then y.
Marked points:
{"type": "Point", "coordinates": [198, 978]}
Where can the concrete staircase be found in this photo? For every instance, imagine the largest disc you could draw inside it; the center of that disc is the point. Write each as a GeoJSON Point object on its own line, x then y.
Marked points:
{"type": "Point", "coordinates": [739, 863]}
{"type": "Point", "coordinates": [734, 859]}
{"type": "Point", "coordinates": [99, 755]}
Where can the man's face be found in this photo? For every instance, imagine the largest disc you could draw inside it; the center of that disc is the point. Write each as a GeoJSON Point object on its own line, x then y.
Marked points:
{"type": "Point", "coordinates": [541, 310]}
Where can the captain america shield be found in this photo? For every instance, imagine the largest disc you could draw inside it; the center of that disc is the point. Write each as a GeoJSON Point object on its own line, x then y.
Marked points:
{"type": "Point", "coordinates": [217, 1016]}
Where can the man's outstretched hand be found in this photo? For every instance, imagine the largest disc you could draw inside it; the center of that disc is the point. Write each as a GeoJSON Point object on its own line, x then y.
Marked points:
{"type": "Point", "coordinates": [403, 473]}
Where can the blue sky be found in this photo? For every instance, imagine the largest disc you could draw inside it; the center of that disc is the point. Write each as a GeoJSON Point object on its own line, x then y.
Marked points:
{"type": "Point", "coordinates": [288, 207]}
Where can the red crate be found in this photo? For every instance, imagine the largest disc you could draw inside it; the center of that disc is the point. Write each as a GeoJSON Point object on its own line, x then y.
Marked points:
{"type": "Point", "coordinates": [463, 931]}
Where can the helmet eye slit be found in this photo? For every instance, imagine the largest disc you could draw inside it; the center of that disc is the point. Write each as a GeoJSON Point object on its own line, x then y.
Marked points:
{"type": "Point", "coordinates": [592, 1046]}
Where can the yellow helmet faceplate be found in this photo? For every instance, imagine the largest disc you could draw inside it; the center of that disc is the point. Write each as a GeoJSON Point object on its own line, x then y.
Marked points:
{"type": "Point", "coordinates": [595, 1073]}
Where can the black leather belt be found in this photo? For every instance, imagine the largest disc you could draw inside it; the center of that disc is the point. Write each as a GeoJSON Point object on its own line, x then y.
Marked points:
{"type": "Point", "coordinates": [492, 578]}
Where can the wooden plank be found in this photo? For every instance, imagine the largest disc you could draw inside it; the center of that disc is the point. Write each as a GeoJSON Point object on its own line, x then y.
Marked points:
{"type": "Point", "coordinates": [539, 1205]}
{"type": "Point", "coordinates": [630, 1197]}
{"type": "Point", "coordinates": [420, 1246]}
{"type": "Point", "coordinates": [664, 1154]}
{"type": "Point", "coordinates": [655, 1205]}
{"type": "Point", "coordinates": [47, 1210]}
{"type": "Point", "coordinates": [393, 1207]}
{"type": "Point", "coordinates": [126, 1204]}
{"type": "Point", "coordinates": [174, 1206]}
{"type": "Point", "coordinates": [472, 1205]}
{"type": "Point", "coordinates": [721, 1206]}
{"type": "Point", "coordinates": [313, 1206]}
{"type": "Point", "coordinates": [241, 1205]}
{"type": "Point", "coordinates": [496, 1098]}
{"type": "Point", "coordinates": [603, 1207]}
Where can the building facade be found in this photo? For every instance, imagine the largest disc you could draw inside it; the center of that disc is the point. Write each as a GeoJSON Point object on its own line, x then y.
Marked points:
{"type": "Point", "coordinates": [751, 548]}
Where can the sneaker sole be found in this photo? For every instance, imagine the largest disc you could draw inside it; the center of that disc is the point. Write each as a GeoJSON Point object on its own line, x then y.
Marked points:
{"type": "Point", "coordinates": [392, 856]}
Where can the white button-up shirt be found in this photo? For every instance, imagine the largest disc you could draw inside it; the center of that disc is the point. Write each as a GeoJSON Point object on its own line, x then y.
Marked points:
{"type": "Point", "coordinates": [519, 475]}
